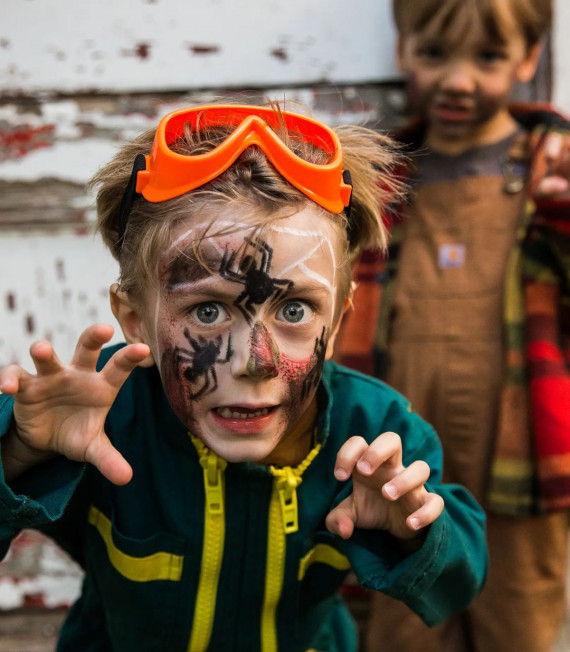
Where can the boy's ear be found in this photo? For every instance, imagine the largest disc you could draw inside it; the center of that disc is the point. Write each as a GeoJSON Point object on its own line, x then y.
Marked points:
{"type": "Point", "coordinates": [130, 321]}
{"type": "Point", "coordinates": [527, 68]}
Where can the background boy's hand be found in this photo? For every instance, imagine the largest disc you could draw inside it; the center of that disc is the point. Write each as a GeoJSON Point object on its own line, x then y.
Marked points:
{"type": "Point", "coordinates": [386, 495]}
{"type": "Point", "coordinates": [557, 157]}
{"type": "Point", "coordinates": [62, 408]}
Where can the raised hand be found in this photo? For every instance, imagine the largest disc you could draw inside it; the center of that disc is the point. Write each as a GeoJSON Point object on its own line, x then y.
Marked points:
{"type": "Point", "coordinates": [62, 408]}
{"type": "Point", "coordinates": [385, 495]}
{"type": "Point", "coordinates": [556, 179]}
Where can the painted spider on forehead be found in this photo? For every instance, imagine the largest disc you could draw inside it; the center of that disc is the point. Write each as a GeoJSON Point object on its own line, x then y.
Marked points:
{"type": "Point", "coordinates": [200, 362]}
{"type": "Point", "coordinates": [259, 285]}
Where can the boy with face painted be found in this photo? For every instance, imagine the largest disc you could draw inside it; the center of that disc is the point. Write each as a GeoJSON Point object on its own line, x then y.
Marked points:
{"type": "Point", "coordinates": [235, 473]}
{"type": "Point", "coordinates": [473, 325]}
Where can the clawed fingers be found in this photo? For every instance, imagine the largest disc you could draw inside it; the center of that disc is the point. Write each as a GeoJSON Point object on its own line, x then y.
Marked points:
{"type": "Point", "coordinates": [89, 345]}
{"type": "Point", "coordinates": [427, 513]}
{"type": "Point", "coordinates": [385, 450]}
{"type": "Point", "coordinates": [357, 454]}
{"type": "Point", "coordinates": [103, 455]}
{"type": "Point", "coordinates": [552, 185]}
{"type": "Point", "coordinates": [341, 519]}
{"type": "Point", "coordinates": [412, 477]}
{"type": "Point", "coordinates": [553, 147]}
{"type": "Point", "coordinates": [347, 457]}
{"type": "Point", "coordinates": [44, 358]}
{"type": "Point", "coordinates": [122, 363]}
{"type": "Point", "coordinates": [11, 378]}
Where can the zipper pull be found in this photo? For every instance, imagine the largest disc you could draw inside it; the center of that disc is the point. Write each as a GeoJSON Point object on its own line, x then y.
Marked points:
{"type": "Point", "coordinates": [287, 483]}
{"type": "Point", "coordinates": [213, 485]}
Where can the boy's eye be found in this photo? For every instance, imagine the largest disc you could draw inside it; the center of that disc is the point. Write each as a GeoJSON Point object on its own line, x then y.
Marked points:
{"type": "Point", "coordinates": [490, 56]}
{"type": "Point", "coordinates": [209, 313]}
{"type": "Point", "coordinates": [430, 52]}
{"type": "Point", "coordinates": [294, 312]}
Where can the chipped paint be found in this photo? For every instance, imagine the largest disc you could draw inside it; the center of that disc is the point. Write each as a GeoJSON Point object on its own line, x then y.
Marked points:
{"type": "Point", "coordinates": [110, 46]}
{"type": "Point", "coordinates": [61, 287]}
{"type": "Point", "coordinates": [17, 140]}
{"type": "Point", "coordinates": [36, 573]}
{"type": "Point", "coordinates": [280, 53]}
{"type": "Point", "coordinates": [204, 49]}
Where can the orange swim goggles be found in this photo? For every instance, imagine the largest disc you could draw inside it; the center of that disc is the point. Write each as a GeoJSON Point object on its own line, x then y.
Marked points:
{"type": "Point", "coordinates": [165, 174]}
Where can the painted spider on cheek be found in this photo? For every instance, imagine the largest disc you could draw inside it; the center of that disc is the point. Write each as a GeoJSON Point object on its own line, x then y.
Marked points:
{"type": "Point", "coordinates": [313, 377]}
{"type": "Point", "coordinates": [259, 285]}
{"type": "Point", "coordinates": [200, 362]}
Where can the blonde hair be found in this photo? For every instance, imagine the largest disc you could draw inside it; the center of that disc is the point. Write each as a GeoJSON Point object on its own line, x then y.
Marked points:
{"type": "Point", "coordinates": [439, 17]}
{"type": "Point", "coordinates": [251, 180]}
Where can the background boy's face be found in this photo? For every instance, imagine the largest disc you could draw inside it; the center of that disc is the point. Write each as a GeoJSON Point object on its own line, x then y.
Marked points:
{"type": "Point", "coordinates": [461, 82]}
{"type": "Point", "coordinates": [240, 351]}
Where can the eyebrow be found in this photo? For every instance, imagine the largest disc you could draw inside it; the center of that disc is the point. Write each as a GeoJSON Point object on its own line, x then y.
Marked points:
{"type": "Point", "coordinates": [306, 287]}
{"type": "Point", "coordinates": [185, 268]}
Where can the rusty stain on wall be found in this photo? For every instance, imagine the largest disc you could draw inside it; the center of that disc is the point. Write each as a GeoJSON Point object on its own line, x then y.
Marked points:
{"type": "Point", "coordinates": [204, 49]}
{"type": "Point", "coordinates": [140, 51]}
{"type": "Point", "coordinates": [280, 53]}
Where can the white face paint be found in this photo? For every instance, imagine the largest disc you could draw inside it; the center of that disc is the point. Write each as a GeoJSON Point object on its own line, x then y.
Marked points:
{"type": "Point", "coordinates": [240, 351]}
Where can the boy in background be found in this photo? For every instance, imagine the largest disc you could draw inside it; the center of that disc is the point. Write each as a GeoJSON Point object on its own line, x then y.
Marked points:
{"type": "Point", "coordinates": [473, 311]}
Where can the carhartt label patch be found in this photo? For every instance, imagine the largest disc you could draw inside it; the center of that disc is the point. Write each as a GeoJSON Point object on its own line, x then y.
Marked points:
{"type": "Point", "coordinates": [451, 255]}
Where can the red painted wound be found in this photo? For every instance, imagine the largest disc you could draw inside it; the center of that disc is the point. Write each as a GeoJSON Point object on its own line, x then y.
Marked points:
{"type": "Point", "coordinates": [263, 353]}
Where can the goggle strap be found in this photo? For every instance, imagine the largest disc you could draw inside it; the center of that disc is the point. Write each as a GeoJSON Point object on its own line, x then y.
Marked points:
{"type": "Point", "coordinates": [347, 178]}
{"type": "Point", "coordinates": [131, 194]}
{"type": "Point", "coordinates": [129, 197]}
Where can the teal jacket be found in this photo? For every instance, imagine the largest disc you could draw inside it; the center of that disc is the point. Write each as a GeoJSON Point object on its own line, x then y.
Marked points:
{"type": "Point", "coordinates": [196, 554]}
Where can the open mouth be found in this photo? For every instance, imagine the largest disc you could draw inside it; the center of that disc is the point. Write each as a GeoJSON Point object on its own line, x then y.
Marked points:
{"type": "Point", "coordinates": [244, 420]}
{"type": "Point", "coordinates": [452, 111]}
{"type": "Point", "coordinates": [236, 412]}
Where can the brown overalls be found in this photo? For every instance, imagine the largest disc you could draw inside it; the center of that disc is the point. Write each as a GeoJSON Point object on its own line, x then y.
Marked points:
{"type": "Point", "coordinates": [445, 354]}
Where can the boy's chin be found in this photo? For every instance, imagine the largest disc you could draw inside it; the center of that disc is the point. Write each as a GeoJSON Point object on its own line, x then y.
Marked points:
{"type": "Point", "coordinates": [240, 452]}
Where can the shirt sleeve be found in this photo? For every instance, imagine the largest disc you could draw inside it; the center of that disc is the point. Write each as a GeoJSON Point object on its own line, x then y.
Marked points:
{"type": "Point", "coordinates": [39, 496]}
{"type": "Point", "coordinates": [450, 568]}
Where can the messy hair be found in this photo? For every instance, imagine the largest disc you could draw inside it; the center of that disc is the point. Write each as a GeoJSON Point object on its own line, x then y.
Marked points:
{"type": "Point", "coordinates": [251, 181]}
{"type": "Point", "coordinates": [534, 17]}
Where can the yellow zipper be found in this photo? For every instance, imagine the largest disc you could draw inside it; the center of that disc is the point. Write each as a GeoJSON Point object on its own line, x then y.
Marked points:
{"type": "Point", "coordinates": [283, 520]}
{"type": "Point", "coordinates": [212, 547]}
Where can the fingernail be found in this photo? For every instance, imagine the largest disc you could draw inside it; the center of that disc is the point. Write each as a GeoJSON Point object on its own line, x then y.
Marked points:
{"type": "Point", "coordinates": [415, 523]}
{"type": "Point", "coordinates": [391, 490]}
{"type": "Point", "coordinates": [364, 467]}
{"type": "Point", "coordinates": [340, 474]}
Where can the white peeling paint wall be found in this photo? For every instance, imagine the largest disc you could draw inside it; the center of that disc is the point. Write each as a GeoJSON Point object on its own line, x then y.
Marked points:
{"type": "Point", "coordinates": [172, 44]}
{"type": "Point", "coordinates": [78, 77]}
{"type": "Point", "coordinates": [53, 288]}
{"type": "Point", "coordinates": [561, 56]}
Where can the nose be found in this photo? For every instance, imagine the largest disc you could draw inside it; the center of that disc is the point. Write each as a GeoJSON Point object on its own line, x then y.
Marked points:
{"type": "Point", "coordinates": [458, 77]}
{"type": "Point", "coordinates": [259, 358]}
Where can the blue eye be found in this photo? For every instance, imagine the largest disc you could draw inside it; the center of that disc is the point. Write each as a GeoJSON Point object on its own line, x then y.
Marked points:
{"type": "Point", "coordinates": [208, 313]}
{"type": "Point", "coordinates": [294, 312]}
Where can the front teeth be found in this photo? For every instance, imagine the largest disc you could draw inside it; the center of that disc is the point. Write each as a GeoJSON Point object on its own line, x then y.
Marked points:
{"type": "Point", "coordinates": [226, 413]}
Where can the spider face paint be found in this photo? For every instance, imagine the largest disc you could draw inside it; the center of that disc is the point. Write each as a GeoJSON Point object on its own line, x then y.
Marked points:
{"type": "Point", "coordinates": [198, 363]}
{"type": "Point", "coordinates": [254, 275]}
{"type": "Point", "coordinates": [241, 350]}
